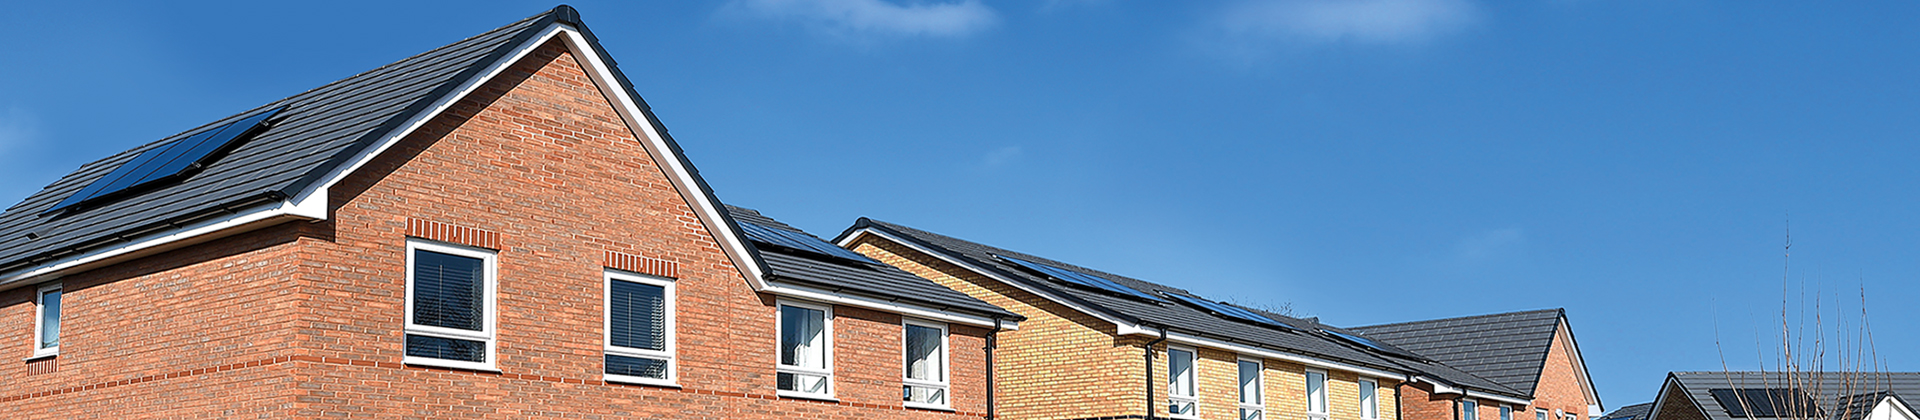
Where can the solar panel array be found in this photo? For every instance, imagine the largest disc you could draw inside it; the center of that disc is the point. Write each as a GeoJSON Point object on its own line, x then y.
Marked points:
{"type": "Point", "coordinates": [1079, 278]}
{"type": "Point", "coordinates": [1370, 343]}
{"type": "Point", "coordinates": [1230, 311]}
{"type": "Point", "coordinates": [168, 161]}
{"type": "Point", "coordinates": [797, 241]}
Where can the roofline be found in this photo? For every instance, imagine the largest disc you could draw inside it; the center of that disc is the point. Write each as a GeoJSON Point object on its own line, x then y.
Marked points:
{"type": "Point", "coordinates": [1660, 401]}
{"type": "Point", "coordinates": [1562, 311]}
{"type": "Point", "coordinates": [1597, 408]}
{"type": "Point", "coordinates": [905, 309]}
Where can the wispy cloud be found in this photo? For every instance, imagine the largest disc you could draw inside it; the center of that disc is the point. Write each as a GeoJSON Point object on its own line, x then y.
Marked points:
{"type": "Point", "coordinates": [1001, 156]}
{"type": "Point", "coordinates": [863, 19]}
{"type": "Point", "coordinates": [16, 129]}
{"type": "Point", "coordinates": [1356, 21]}
{"type": "Point", "coordinates": [1490, 244]}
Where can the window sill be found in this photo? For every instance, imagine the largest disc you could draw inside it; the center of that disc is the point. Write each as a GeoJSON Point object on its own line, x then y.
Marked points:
{"type": "Point", "coordinates": [926, 406]}
{"type": "Point", "coordinates": [636, 380]}
{"type": "Point", "coordinates": [47, 355]}
{"type": "Point", "coordinates": [806, 396]}
{"type": "Point", "coordinates": [450, 364]}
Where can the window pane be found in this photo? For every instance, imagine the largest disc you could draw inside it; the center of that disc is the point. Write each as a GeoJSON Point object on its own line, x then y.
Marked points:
{"type": "Point", "coordinates": [1506, 413]}
{"type": "Point", "coordinates": [636, 366]}
{"type": "Point", "coordinates": [448, 291]}
{"type": "Point", "coordinates": [1469, 410]}
{"type": "Point", "coordinates": [803, 337]}
{"type": "Point", "coordinates": [1249, 382]}
{"type": "Point", "coordinates": [1180, 369]}
{"type": "Point", "coordinates": [1251, 414]}
{"type": "Point", "coordinates": [802, 382]}
{"type": "Point", "coordinates": [1180, 407]}
{"type": "Point", "coordinates": [924, 354]}
{"type": "Point", "coordinates": [1540, 415]}
{"type": "Point", "coordinates": [446, 348]}
{"type": "Point", "coordinates": [638, 314]}
{"type": "Point", "coordinates": [1369, 406]}
{"type": "Point", "coordinates": [925, 394]}
{"type": "Point", "coordinates": [50, 319]}
{"type": "Point", "coordinates": [1316, 392]}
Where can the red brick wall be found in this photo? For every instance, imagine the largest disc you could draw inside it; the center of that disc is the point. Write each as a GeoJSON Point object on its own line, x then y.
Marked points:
{"type": "Point", "coordinates": [536, 159]}
{"type": "Point", "coordinates": [1560, 387]}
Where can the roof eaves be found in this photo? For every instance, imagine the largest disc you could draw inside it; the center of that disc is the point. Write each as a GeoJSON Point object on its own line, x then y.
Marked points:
{"type": "Point", "coordinates": [990, 270]}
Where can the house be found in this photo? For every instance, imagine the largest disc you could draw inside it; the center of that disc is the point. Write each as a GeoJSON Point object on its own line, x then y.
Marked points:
{"type": "Point", "coordinates": [1632, 412]}
{"type": "Point", "coordinates": [1786, 395]}
{"type": "Point", "coordinates": [495, 228]}
{"type": "Point", "coordinates": [1097, 345]}
{"type": "Point", "coordinates": [1533, 352]}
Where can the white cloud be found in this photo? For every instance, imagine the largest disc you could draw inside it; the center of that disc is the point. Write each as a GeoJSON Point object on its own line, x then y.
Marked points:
{"type": "Point", "coordinates": [1490, 244]}
{"type": "Point", "coordinates": [1001, 156]}
{"type": "Point", "coordinates": [875, 17]}
{"type": "Point", "coordinates": [1358, 21]}
{"type": "Point", "coordinates": [16, 129]}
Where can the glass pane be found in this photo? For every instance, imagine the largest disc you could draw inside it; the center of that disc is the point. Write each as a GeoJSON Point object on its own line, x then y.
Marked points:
{"type": "Point", "coordinates": [1316, 392]}
{"type": "Point", "coordinates": [1540, 415]}
{"type": "Point", "coordinates": [446, 348]}
{"type": "Point", "coordinates": [1506, 413]}
{"type": "Point", "coordinates": [814, 384]}
{"type": "Point", "coordinates": [1250, 414]}
{"type": "Point", "coordinates": [923, 354]}
{"type": "Point", "coordinates": [1180, 371]}
{"type": "Point", "coordinates": [448, 291]}
{"type": "Point", "coordinates": [803, 337]}
{"type": "Point", "coordinates": [1249, 382]}
{"type": "Point", "coordinates": [1369, 407]}
{"type": "Point", "coordinates": [1469, 410]}
{"type": "Point", "coordinates": [1180, 407]}
{"type": "Point", "coordinates": [636, 366]}
{"type": "Point", "coordinates": [638, 314]}
{"type": "Point", "coordinates": [50, 319]}
{"type": "Point", "coordinates": [925, 394]}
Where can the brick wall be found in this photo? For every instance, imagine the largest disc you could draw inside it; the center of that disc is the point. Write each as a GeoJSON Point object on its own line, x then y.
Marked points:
{"type": "Point", "coordinates": [305, 320]}
{"type": "Point", "coordinates": [1560, 387]}
{"type": "Point", "coordinates": [1675, 405]}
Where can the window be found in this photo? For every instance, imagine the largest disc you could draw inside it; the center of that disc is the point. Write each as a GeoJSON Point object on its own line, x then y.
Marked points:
{"type": "Point", "coordinates": [806, 350]}
{"type": "Point", "coordinates": [1316, 394]}
{"type": "Point", "coordinates": [1540, 414]}
{"type": "Point", "coordinates": [46, 321]}
{"type": "Point", "coordinates": [926, 363]}
{"type": "Point", "coordinates": [1469, 410]}
{"type": "Point", "coordinates": [639, 329]}
{"type": "Point", "coordinates": [450, 306]}
{"type": "Point", "coordinates": [1506, 413]}
{"type": "Point", "coordinates": [1369, 399]}
{"type": "Point", "coordinates": [1181, 397]}
{"type": "Point", "coordinates": [1252, 406]}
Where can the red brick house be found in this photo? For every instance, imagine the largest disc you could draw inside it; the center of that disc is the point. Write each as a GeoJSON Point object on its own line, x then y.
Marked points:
{"type": "Point", "coordinates": [497, 228]}
{"type": "Point", "coordinates": [1532, 352]}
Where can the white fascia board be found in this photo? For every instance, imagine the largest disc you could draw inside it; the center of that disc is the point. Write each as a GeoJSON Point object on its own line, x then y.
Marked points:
{"type": "Point", "coordinates": [817, 295]}
{"type": "Point", "coordinates": [1271, 354]}
{"type": "Point", "coordinates": [1660, 399]}
{"type": "Point", "coordinates": [1123, 328]}
{"type": "Point", "coordinates": [1443, 388]}
{"type": "Point", "coordinates": [157, 242]}
{"type": "Point", "coordinates": [1504, 399]}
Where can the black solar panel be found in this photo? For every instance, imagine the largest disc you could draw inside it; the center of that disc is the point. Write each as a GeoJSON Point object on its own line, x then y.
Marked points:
{"type": "Point", "coordinates": [1079, 278]}
{"type": "Point", "coordinates": [169, 161]}
{"type": "Point", "coordinates": [1370, 343]}
{"type": "Point", "coordinates": [798, 241]}
{"type": "Point", "coordinates": [1766, 402]}
{"type": "Point", "coordinates": [1230, 311]}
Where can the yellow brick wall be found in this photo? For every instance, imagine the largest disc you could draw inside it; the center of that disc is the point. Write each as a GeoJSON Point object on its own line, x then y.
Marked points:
{"type": "Point", "coordinates": [1062, 364]}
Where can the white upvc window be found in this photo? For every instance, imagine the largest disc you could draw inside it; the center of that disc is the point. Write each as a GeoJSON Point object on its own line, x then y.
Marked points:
{"type": "Point", "coordinates": [46, 320]}
{"type": "Point", "coordinates": [806, 350]}
{"type": "Point", "coordinates": [450, 305]}
{"type": "Point", "coordinates": [1252, 405]}
{"type": "Point", "coordinates": [1316, 394]}
{"type": "Point", "coordinates": [1369, 399]}
{"type": "Point", "coordinates": [926, 383]}
{"type": "Point", "coordinates": [1183, 400]}
{"type": "Point", "coordinates": [640, 329]}
{"type": "Point", "coordinates": [1506, 412]}
{"type": "Point", "coordinates": [1469, 410]}
{"type": "Point", "coordinates": [1540, 414]}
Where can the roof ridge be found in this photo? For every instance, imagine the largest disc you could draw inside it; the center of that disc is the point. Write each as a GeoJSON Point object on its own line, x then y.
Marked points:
{"type": "Point", "coordinates": [1530, 311]}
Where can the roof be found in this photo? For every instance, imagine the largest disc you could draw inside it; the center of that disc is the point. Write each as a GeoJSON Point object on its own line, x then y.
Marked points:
{"type": "Point", "coordinates": [1859, 406]}
{"type": "Point", "coordinates": [869, 278]}
{"type": "Point", "coordinates": [1835, 393]}
{"type": "Point", "coordinates": [1632, 412]}
{"type": "Point", "coordinates": [1507, 348]}
{"type": "Point", "coordinates": [320, 130]}
{"type": "Point", "coordinates": [1303, 338]}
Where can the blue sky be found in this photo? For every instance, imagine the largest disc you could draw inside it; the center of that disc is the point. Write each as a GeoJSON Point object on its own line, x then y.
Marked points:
{"type": "Point", "coordinates": [1367, 161]}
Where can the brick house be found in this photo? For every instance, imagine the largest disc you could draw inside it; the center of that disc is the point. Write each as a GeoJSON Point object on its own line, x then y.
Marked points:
{"type": "Point", "coordinates": [1532, 352]}
{"type": "Point", "coordinates": [1097, 345]}
{"type": "Point", "coordinates": [497, 228]}
{"type": "Point", "coordinates": [1786, 396]}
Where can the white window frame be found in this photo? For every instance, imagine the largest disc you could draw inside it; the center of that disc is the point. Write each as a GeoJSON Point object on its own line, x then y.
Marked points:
{"type": "Point", "coordinates": [1369, 386]}
{"type": "Point", "coordinates": [1326, 405]}
{"type": "Point", "coordinates": [1506, 412]}
{"type": "Point", "coordinates": [40, 315]}
{"type": "Point", "coordinates": [1469, 409]}
{"type": "Point", "coordinates": [946, 375]}
{"type": "Point", "coordinates": [491, 289]}
{"type": "Point", "coordinates": [1259, 405]}
{"type": "Point", "coordinates": [826, 335]}
{"type": "Point", "coordinates": [1193, 377]}
{"type": "Point", "coordinates": [606, 328]}
{"type": "Point", "coordinates": [1540, 414]}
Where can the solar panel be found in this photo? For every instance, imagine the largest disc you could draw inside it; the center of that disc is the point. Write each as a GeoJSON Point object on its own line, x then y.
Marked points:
{"type": "Point", "coordinates": [1230, 311]}
{"type": "Point", "coordinates": [797, 241]}
{"type": "Point", "coordinates": [169, 161]}
{"type": "Point", "coordinates": [1766, 402]}
{"type": "Point", "coordinates": [1079, 278]}
{"type": "Point", "coordinates": [1370, 343]}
